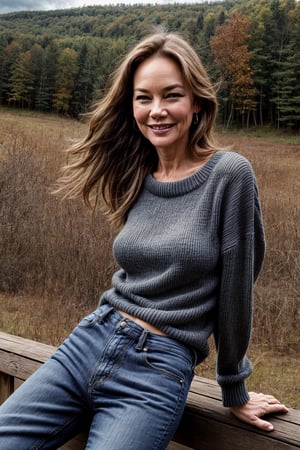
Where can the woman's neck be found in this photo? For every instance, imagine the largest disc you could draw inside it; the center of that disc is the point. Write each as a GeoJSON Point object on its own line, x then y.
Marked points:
{"type": "Point", "coordinates": [177, 167]}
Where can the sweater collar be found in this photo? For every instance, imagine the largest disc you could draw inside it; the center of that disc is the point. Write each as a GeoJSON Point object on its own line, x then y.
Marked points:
{"type": "Point", "coordinates": [181, 187]}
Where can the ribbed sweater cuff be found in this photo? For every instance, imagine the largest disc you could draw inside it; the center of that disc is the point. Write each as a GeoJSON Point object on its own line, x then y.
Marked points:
{"type": "Point", "coordinates": [235, 394]}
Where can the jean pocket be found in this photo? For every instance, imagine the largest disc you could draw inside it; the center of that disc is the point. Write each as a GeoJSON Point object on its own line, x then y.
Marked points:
{"type": "Point", "coordinates": [168, 364]}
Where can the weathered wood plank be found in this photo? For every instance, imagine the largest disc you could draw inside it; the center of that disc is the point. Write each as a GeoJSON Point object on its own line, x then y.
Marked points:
{"type": "Point", "coordinates": [176, 446]}
{"type": "Point", "coordinates": [6, 386]}
{"type": "Point", "coordinates": [16, 365]}
{"type": "Point", "coordinates": [17, 383]}
{"type": "Point", "coordinates": [206, 434]}
{"type": "Point", "coordinates": [287, 429]}
{"type": "Point", "coordinates": [206, 387]}
{"type": "Point", "coordinates": [26, 347]}
{"type": "Point", "coordinates": [77, 443]}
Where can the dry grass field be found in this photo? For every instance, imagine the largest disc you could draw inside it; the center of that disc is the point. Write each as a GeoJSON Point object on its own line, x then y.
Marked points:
{"type": "Point", "coordinates": [55, 258]}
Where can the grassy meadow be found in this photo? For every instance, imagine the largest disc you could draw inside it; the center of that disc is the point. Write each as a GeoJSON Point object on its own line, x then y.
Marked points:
{"type": "Point", "coordinates": [55, 257]}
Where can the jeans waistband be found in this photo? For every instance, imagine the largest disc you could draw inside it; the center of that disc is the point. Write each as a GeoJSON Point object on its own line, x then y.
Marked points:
{"type": "Point", "coordinates": [140, 334]}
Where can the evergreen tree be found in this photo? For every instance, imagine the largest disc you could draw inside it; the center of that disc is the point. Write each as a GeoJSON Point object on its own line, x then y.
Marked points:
{"type": "Point", "coordinates": [47, 81]}
{"type": "Point", "coordinates": [276, 39]}
{"type": "Point", "coordinates": [259, 61]}
{"type": "Point", "coordinates": [37, 57]}
{"type": "Point", "coordinates": [65, 81]}
{"type": "Point", "coordinates": [288, 74]}
{"type": "Point", "coordinates": [84, 83]}
{"type": "Point", "coordinates": [3, 68]}
{"type": "Point", "coordinates": [8, 57]}
{"type": "Point", "coordinates": [22, 81]}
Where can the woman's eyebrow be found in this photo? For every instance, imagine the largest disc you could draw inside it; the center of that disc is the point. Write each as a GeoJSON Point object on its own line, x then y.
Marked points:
{"type": "Point", "coordinates": [174, 86]}
{"type": "Point", "coordinates": [167, 88]}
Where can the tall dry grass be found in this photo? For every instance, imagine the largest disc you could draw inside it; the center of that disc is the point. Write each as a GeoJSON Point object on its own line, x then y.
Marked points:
{"type": "Point", "coordinates": [59, 259]}
{"type": "Point", "coordinates": [49, 249]}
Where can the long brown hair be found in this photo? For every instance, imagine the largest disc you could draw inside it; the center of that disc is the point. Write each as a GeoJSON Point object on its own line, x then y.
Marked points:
{"type": "Point", "coordinates": [112, 161]}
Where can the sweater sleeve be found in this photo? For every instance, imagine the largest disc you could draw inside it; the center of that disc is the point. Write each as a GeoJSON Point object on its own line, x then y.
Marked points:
{"type": "Point", "coordinates": [242, 252]}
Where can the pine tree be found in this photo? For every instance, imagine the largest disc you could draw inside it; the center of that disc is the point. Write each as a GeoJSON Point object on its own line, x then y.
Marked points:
{"type": "Point", "coordinates": [9, 55]}
{"type": "Point", "coordinates": [67, 70]}
{"type": "Point", "coordinates": [37, 58]}
{"type": "Point", "coordinates": [84, 82]}
{"type": "Point", "coordinates": [276, 38]}
{"type": "Point", "coordinates": [3, 68]}
{"type": "Point", "coordinates": [22, 81]}
{"type": "Point", "coordinates": [47, 81]}
{"type": "Point", "coordinates": [288, 74]}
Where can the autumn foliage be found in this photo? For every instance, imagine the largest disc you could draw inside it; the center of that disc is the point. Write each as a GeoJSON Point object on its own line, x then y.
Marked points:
{"type": "Point", "coordinates": [232, 56]}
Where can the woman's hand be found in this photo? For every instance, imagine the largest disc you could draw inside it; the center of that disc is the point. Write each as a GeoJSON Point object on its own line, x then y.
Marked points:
{"type": "Point", "coordinates": [259, 405]}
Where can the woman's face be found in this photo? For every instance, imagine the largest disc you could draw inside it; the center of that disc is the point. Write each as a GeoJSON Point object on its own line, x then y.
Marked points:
{"type": "Point", "coordinates": [163, 105]}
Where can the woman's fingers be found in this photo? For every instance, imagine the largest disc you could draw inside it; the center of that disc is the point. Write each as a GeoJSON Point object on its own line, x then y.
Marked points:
{"type": "Point", "coordinates": [258, 406]}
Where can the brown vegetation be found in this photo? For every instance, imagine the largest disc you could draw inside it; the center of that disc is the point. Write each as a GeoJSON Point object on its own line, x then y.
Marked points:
{"type": "Point", "coordinates": [55, 258]}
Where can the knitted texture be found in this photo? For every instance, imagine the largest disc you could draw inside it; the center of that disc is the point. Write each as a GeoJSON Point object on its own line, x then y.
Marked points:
{"type": "Point", "coordinates": [189, 254]}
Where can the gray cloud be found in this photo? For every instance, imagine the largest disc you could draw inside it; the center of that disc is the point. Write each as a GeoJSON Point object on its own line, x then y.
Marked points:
{"type": "Point", "coordinates": [40, 5]}
{"type": "Point", "coordinates": [27, 5]}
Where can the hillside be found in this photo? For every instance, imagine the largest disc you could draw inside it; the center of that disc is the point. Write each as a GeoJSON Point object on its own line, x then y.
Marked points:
{"type": "Point", "coordinates": [60, 60]}
{"type": "Point", "coordinates": [107, 22]}
{"type": "Point", "coordinates": [103, 21]}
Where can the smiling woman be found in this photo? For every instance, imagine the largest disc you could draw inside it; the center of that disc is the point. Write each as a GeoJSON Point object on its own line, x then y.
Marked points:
{"type": "Point", "coordinates": [190, 246]}
{"type": "Point", "coordinates": [128, 155]}
{"type": "Point", "coordinates": [164, 107]}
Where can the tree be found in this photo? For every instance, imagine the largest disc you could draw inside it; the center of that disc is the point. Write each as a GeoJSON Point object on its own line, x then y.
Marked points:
{"type": "Point", "coordinates": [22, 81]}
{"type": "Point", "coordinates": [84, 83]}
{"type": "Point", "coordinates": [65, 82]}
{"type": "Point", "coordinates": [3, 68]}
{"type": "Point", "coordinates": [274, 39]}
{"type": "Point", "coordinates": [37, 62]}
{"type": "Point", "coordinates": [288, 95]}
{"type": "Point", "coordinates": [261, 18]}
{"type": "Point", "coordinates": [232, 57]}
{"type": "Point", "coordinates": [8, 56]}
{"type": "Point", "coordinates": [47, 82]}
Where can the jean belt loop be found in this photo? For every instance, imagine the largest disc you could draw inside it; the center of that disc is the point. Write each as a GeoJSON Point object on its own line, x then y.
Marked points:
{"type": "Point", "coordinates": [142, 339]}
{"type": "Point", "coordinates": [106, 313]}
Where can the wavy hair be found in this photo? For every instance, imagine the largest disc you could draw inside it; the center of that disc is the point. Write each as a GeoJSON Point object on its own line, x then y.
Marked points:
{"type": "Point", "coordinates": [112, 161]}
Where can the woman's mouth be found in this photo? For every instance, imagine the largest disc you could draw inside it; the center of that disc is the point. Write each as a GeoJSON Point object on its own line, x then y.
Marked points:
{"type": "Point", "coordinates": [160, 127]}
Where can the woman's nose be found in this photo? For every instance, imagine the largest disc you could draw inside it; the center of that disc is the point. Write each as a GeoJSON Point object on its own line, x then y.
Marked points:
{"type": "Point", "coordinates": [157, 109]}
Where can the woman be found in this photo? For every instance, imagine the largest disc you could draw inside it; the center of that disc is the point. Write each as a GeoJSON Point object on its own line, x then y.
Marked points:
{"type": "Point", "coordinates": [190, 246]}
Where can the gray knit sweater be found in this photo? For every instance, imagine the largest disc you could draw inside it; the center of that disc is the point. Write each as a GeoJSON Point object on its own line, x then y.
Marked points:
{"type": "Point", "coordinates": [189, 254]}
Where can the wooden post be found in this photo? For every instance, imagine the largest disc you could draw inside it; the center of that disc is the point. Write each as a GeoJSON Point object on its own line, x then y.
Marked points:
{"type": "Point", "coordinates": [6, 386]}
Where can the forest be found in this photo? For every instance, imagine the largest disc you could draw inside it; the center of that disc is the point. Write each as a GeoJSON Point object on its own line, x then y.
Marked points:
{"type": "Point", "coordinates": [60, 61]}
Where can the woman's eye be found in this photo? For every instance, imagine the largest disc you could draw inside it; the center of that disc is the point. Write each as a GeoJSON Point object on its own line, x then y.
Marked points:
{"type": "Point", "coordinates": [174, 95]}
{"type": "Point", "coordinates": [142, 97]}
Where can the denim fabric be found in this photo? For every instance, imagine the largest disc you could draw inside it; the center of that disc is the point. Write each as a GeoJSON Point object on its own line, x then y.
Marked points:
{"type": "Point", "coordinates": [128, 384]}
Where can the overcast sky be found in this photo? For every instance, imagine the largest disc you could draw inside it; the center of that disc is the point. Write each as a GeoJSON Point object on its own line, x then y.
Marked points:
{"type": "Point", "coordinates": [38, 5]}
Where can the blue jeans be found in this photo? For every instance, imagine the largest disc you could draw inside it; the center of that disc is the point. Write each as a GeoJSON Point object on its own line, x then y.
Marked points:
{"type": "Point", "coordinates": [127, 384]}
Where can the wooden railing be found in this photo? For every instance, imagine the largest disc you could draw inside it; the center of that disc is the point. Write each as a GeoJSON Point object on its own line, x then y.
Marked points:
{"type": "Point", "coordinates": [205, 425]}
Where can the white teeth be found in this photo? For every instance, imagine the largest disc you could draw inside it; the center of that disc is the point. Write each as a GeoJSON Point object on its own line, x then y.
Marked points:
{"type": "Point", "coordinates": [163, 127]}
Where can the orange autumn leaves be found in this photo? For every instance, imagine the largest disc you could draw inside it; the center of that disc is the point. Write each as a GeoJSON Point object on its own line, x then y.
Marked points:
{"type": "Point", "coordinates": [232, 56]}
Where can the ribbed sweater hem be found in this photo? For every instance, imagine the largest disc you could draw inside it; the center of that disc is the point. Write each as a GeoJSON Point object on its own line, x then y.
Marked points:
{"type": "Point", "coordinates": [235, 394]}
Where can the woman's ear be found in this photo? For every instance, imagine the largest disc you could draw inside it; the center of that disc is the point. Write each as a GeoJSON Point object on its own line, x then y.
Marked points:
{"type": "Point", "coordinates": [197, 107]}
